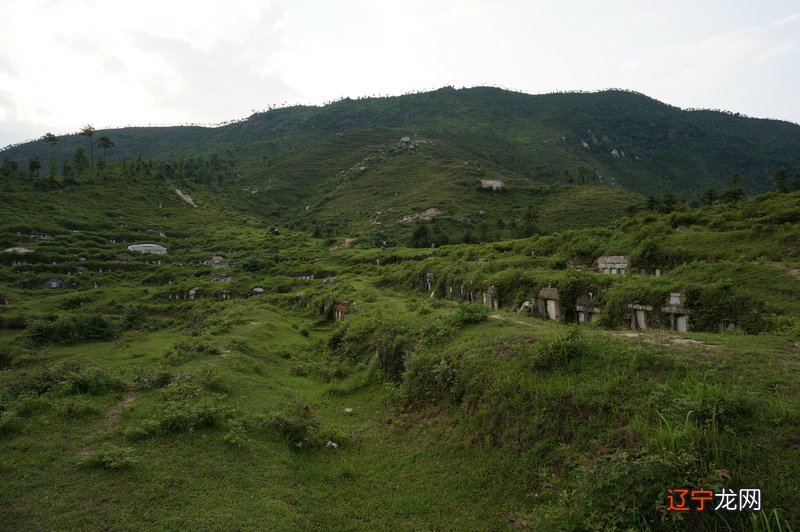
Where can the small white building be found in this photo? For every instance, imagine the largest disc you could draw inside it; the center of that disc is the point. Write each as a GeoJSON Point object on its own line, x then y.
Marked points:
{"type": "Point", "coordinates": [613, 264]}
{"type": "Point", "coordinates": [148, 248]}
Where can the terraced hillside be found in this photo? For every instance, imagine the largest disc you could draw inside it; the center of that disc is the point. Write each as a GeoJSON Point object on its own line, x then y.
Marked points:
{"type": "Point", "coordinates": [213, 387]}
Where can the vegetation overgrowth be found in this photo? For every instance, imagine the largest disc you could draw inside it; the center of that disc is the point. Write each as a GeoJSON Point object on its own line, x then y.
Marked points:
{"type": "Point", "coordinates": [213, 387]}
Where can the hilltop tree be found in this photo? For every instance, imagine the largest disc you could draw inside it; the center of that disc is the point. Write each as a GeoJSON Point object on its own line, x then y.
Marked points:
{"type": "Point", "coordinates": [80, 160]}
{"type": "Point", "coordinates": [52, 140]}
{"type": "Point", "coordinates": [88, 131]}
{"type": "Point", "coordinates": [668, 202]}
{"type": "Point", "coordinates": [709, 197]}
{"type": "Point", "coordinates": [105, 144]}
{"type": "Point", "coordinates": [529, 221]}
{"type": "Point", "coordinates": [421, 237]}
{"type": "Point", "coordinates": [34, 166]}
{"type": "Point", "coordinates": [782, 181]}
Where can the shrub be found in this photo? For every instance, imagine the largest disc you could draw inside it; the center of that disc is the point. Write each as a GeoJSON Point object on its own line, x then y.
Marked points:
{"type": "Point", "coordinates": [152, 379]}
{"type": "Point", "coordinates": [559, 351]}
{"type": "Point", "coordinates": [91, 380]}
{"type": "Point", "coordinates": [187, 350]}
{"type": "Point", "coordinates": [176, 418]}
{"type": "Point", "coordinates": [299, 428]}
{"type": "Point", "coordinates": [71, 329]}
{"type": "Point", "coordinates": [9, 422]}
{"type": "Point", "coordinates": [6, 359]}
{"type": "Point", "coordinates": [111, 458]}
{"type": "Point", "coordinates": [210, 379]}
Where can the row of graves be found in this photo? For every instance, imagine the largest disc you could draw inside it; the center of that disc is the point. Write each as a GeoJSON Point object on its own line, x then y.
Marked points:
{"type": "Point", "coordinates": [547, 304]}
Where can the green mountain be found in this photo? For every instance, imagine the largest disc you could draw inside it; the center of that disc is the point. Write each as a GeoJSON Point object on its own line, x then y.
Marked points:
{"type": "Point", "coordinates": [279, 368]}
{"type": "Point", "coordinates": [341, 168]}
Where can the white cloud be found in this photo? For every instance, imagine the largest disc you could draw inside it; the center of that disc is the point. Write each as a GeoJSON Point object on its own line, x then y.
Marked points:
{"type": "Point", "coordinates": [64, 63]}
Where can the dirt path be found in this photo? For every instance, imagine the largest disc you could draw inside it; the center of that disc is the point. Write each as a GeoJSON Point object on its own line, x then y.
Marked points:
{"type": "Point", "coordinates": [113, 413]}
{"type": "Point", "coordinates": [110, 418]}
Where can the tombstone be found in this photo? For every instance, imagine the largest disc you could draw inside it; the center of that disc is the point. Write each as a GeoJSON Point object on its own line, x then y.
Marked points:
{"type": "Point", "coordinates": [428, 281]}
{"type": "Point", "coordinates": [329, 280]}
{"type": "Point", "coordinates": [613, 264]}
{"type": "Point", "coordinates": [54, 283]}
{"type": "Point", "coordinates": [217, 262]}
{"type": "Point", "coordinates": [587, 310]}
{"type": "Point", "coordinates": [339, 309]}
{"type": "Point", "coordinates": [547, 303]}
{"type": "Point", "coordinates": [678, 313]}
{"type": "Point", "coordinates": [639, 316]}
{"type": "Point", "coordinates": [257, 291]}
{"type": "Point", "coordinates": [224, 295]}
{"type": "Point", "coordinates": [191, 294]}
{"type": "Point", "coordinates": [221, 279]}
{"type": "Point", "coordinates": [490, 298]}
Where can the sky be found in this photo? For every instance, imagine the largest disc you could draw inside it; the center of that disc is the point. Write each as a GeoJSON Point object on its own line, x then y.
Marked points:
{"type": "Point", "coordinates": [66, 63]}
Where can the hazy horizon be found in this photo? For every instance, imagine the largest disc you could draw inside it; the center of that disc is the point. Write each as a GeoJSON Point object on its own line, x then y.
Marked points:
{"type": "Point", "coordinates": [65, 63]}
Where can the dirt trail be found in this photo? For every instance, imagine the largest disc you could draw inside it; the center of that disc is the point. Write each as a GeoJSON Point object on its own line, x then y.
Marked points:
{"type": "Point", "coordinates": [113, 413]}
{"type": "Point", "coordinates": [110, 418]}
{"type": "Point", "coordinates": [655, 337]}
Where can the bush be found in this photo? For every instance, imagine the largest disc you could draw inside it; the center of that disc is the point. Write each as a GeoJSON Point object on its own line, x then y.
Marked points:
{"type": "Point", "coordinates": [299, 429]}
{"type": "Point", "coordinates": [10, 422]}
{"type": "Point", "coordinates": [176, 418]}
{"type": "Point", "coordinates": [91, 380]}
{"type": "Point", "coordinates": [71, 329]}
{"type": "Point", "coordinates": [111, 458]}
{"type": "Point", "coordinates": [187, 350]}
{"type": "Point", "coordinates": [6, 359]}
{"type": "Point", "coordinates": [559, 351]}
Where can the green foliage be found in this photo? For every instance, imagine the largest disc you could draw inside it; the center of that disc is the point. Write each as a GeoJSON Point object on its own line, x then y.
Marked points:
{"type": "Point", "coordinates": [71, 329]}
{"type": "Point", "coordinates": [176, 418]}
{"type": "Point", "coordinates": [184, 351]}
{"type": "Point", "coordinates": [111, 458]}
{"type": "Point", "coordinates": [559, 351]}
{"type": "Point", "coordinates": [299, 428]}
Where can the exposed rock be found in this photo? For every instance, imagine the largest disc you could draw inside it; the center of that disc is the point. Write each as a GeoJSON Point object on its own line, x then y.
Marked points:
{"type": "Point", "coordinates": [185, 197]}
{"type": "Point", "coordinates": [494, 184]}
{"type": "Point", "coordinates": [427, 214]}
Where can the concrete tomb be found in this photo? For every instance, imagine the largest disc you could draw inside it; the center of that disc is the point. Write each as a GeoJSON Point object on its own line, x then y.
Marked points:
{"type": "Point", "coordinates": [586, 307]}
{"type": "Point", "coordinates": [547, 303]}
{"type": "Point", "coordinates": [148, 248]}
{"type": "Point", "coordinates": [490, 298]}
{"type": "Point", "coordinates": [678, 313]}
{"type": "Point", "coordinates": [639, 316]}
{"type": "Point", "coordinates": [54, 283]}
{"type": "Point", "coordinates": [339, 309]}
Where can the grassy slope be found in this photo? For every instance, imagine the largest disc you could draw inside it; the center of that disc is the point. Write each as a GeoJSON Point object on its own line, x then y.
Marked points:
{"type": "Point", "coordinates": [483, 433]}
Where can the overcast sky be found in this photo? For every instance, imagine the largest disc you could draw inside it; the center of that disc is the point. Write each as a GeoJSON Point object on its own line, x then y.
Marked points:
{"type": "Point", "coordinates": [65, 63]}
